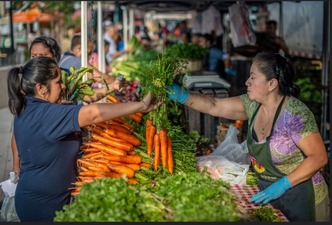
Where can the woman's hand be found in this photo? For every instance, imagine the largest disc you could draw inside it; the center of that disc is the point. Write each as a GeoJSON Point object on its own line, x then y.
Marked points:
{"type": "Point", "coordinates": [148, 104]}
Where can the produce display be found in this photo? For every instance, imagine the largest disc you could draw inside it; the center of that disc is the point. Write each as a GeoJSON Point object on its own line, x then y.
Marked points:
{"type": "Point", "coordinates": [143, 168]}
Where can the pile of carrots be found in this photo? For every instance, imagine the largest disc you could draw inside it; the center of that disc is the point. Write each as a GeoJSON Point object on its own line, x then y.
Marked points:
{"type": "Point", "coordinates": [159, 143]}
{"type": "Point", "coordinates": [136, 117]}
{"type": "Point", "coordinates": [109, 152]}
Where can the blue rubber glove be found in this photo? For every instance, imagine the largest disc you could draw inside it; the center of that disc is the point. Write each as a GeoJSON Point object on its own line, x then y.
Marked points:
{"type": "Point", "coordinates": [274, 191]}
{"type": "Point", "coordinates": [230, 72]}
{"type": "Point", "coordinates": [177, 93]}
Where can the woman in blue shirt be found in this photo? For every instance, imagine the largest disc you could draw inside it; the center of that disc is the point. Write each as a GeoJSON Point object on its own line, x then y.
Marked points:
{"type": "Point", "coordinates": [46, 135]}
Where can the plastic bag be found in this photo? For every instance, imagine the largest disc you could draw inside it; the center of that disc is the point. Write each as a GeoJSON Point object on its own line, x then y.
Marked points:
{"type": "Point", "coordinates": [230, 161]}
{"type": "Point", "coordinates": [231, 149]}
{"type": "Point", "coordinates": [8, 210]}
{"type": "Point", "coordinates": [240, 27]}
{"type": "Point", "coordinates": [221, 168]}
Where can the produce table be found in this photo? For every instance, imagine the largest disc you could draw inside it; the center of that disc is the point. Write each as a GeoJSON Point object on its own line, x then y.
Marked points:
{"type": "Point", "coordinates": [244, 192]}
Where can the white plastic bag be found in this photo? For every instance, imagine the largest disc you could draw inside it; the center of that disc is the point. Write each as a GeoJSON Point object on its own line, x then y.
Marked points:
{"type": "Point", "coordinates": [8, 210]}
{"type": "Point", "coordinates": [221, 168]}
{"type": "Point", "coordinates": [240, 27]}
{"type": "Point", "coordinates": [231, 149]}
{"type": "Point", "coordinates": [230, 161]}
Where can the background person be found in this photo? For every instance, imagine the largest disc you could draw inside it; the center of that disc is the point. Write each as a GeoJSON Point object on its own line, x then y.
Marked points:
{"type": "Point", "coordinates": [270, 41]}
{"type": "Point", "coordinates": [111, 35]}
{"type": "Point", "coordinates": [47, 135]}
{"type": "Point", "coordinates": [73, 59]}
{"type": "Point", "coordinates": [285, 146]}
{"type": "Point", "coordinates": [216, 60]}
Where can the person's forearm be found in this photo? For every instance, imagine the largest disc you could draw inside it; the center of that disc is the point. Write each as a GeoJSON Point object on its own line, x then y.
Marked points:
{"type": "Point", "coordinates": [228, 108]}
{"type": "Point", "coordinates": [201, 103]}
{"type": "Point", "coordinates": [98, 112]}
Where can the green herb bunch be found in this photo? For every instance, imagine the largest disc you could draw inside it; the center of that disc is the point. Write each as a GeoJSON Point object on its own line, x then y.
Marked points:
{"type": "Point", "coordinates": [186, 51]}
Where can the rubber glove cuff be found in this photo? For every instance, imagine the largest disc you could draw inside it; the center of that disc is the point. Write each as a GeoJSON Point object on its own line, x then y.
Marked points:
{"type": "Point", "coordinates": [177, 93]}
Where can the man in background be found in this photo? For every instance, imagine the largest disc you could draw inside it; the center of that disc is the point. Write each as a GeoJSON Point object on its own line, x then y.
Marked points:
{"type": "Point", "coordinates": [270, 41]}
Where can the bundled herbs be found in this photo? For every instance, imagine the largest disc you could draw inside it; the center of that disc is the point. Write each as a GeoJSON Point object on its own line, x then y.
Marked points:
{"type": "Point", "coordinates": [265, 214]}
{"type": "Point", "coordinates": [178, 198]}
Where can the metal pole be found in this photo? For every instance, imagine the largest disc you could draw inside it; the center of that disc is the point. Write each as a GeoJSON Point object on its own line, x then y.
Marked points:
{"type": "Point", "coordinates": [84, 36]}
{"type": "Point", "coordinates": [125, 26]}
{"type": "Point", "coordinates": [100, 39]}
{"type": "Point", "coordinates": [11, 27]}
{"type": "Point", "coordinates": [325, 60]}
{"type": "Point", "coordinates": [131, 23]}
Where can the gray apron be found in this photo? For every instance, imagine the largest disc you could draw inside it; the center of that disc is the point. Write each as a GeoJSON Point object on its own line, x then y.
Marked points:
{"type": "Point", "coordinates": [298, 203]}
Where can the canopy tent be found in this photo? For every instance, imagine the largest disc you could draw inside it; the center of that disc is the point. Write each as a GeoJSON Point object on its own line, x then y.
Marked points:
{"type": "Point", "coordinates": [31, 15]}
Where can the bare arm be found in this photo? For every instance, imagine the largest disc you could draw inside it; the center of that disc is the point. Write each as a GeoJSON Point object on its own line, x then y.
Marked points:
{"type": "Point", "coordinates": [316, 158]}
{"type": "Point", "coordinates": [281, 42]}
{"type": "Point", "coordinates": [98, 112]}
{"type": "Point", "coordinates": [16, 159]}
{"type": "Point", "coordinates": [229, 108]}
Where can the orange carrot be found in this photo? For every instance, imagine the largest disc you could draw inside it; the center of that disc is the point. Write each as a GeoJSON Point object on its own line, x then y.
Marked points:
{"type": "Point", "coordinates": [102, 160]}
{"type": "Point", "coordinates": [132, 181]}
{"type": "Point", "coordinates": [136, 118]}
{"type": "Point", "coordinates": [170, 162]}
{"type": "Point", "coordinates": [156, 151]}
{"type": "Point", "coordinates": [131, 153]}
{"type": "Point", "coordinates": [135, 167]}
{"type": "Point", "coordinates": [119, 127]}
{"type": "Point", "coordinates": [85, 163]}
{"type": "Point", "coordinates": [118, 145]}
{"type": "Point", "coordinates": [75, 192]}
{"type": "Point", "coordinates": [109, 149]}
{"type": "Point", "coordinates": [135, 159]}
{"type": "Point", "coordinates": [92, 173]}
{"type": "Point", "coordinates": [147, 165]}
{"type": "Point", "coordinates": [112, 98]}
{"type": "Point", "coordinates": [90, 150]}
{"type": "Point", "coordinates": [91, 155]}
{"type": "Point", "coordinates": [150, 140]}
{"type": "Point", "coordinates": [139, 114]}
{"type": "Point", "coordinates": [163, 146]}
{"type": "Point", "coordinates": [127, 137]}
{"type": "Point", "coordinates": [123, 122]}
{"type": "Point", "coordinates": [121, 169]}
{"type": "Point", "coordinates": [148, 124]}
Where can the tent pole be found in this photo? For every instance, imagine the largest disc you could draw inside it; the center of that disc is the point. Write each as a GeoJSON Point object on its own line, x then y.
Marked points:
{"type": "Point", "coordinates": [325, 69]}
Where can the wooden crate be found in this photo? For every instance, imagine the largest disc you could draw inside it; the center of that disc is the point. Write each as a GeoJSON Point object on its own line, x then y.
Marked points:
{"type": "Point", "coordinates": [205, 124]}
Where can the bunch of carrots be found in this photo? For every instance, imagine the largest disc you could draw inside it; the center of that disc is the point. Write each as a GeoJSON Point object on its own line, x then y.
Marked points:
{"type": "Point", "coordinates": [155, 79]}
{"type": "Point", "coordinates": [109, 152]}
{"type": "Point", "coordinates": [159, 143]}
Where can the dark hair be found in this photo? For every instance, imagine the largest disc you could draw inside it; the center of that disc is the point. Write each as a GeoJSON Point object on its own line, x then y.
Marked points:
{"type": "Point", "coordinates": [49, 43]}
{"type": "Point", "coordinates": [271, 22]}
{"type": "Point", "coordinates": [75, 41]}
{"type": "Point", "coordinates": [21, 81]}
{"type": "Point", "coordinates": [274, 65]}
{"type": "Point", "coordinates": [209, 37]}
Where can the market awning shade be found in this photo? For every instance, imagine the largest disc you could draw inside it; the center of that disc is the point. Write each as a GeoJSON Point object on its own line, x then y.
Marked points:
{"type": "Point", "coordinates": [31, 15]}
